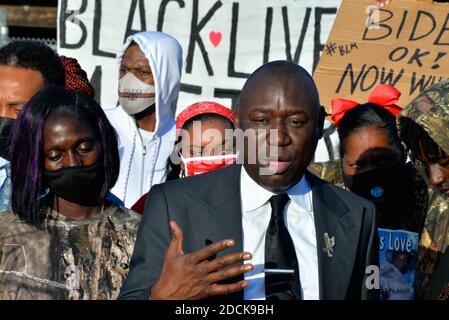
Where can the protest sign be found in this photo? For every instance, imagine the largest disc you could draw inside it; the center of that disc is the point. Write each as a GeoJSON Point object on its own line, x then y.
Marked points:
{"type": "Point", "coordinates": [405, 44]}
{"type": "Point", "coordinates": [398, 258]}
{"type": "Point", "coordinates": [223, 41]}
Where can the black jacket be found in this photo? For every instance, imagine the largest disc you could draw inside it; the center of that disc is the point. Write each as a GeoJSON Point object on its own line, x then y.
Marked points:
{"type": "Point", "coordinates": [207, 207]}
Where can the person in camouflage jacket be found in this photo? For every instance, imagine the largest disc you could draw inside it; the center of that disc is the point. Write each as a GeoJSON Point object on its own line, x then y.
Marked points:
{"type": "Point", "coordinates": [423, 126]}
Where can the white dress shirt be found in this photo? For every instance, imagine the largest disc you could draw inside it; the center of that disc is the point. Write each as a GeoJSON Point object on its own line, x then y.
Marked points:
{"type": "Point", "coordinates": [298, 213]}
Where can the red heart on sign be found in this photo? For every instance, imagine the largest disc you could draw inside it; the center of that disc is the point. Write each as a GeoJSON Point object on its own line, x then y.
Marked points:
{"type": "Point", "coordinates": [215, 38]}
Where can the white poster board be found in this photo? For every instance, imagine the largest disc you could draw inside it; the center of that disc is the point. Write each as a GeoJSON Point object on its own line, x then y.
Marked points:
{"type": "Point", "coordinates": [223, 41]}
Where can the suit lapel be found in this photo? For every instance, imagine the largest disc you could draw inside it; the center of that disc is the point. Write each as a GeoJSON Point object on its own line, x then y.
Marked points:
{"type": "Point", "coordinates": [216, 215]}
{"type": "Point", "coordinates": [219, 215]}
{"type": "Point", "coordinates": [334, 218]}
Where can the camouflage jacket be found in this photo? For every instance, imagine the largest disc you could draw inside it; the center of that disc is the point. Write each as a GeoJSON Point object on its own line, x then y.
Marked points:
{"type": "Point", "coordinates": [66, 259]}
{"type": "Point", "coordinates": [430, 110]}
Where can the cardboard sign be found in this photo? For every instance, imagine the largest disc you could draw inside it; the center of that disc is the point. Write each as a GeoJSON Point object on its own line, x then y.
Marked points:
{"type": "Point", "coordinates": [223, 41]}
{"type": "Point", "coordinates": [405, 44]}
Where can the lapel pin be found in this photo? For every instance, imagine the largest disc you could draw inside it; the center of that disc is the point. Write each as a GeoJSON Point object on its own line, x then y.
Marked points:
{"type": "Point", "coordinates": [330, 243]}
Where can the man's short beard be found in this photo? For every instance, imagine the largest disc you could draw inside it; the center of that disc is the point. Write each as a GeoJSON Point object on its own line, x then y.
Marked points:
{"type": "Point", "coordinates": [142, 114]}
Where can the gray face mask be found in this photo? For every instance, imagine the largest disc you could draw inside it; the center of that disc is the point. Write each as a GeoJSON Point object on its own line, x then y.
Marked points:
{"type": "Point", "coordinates": [135, 95]}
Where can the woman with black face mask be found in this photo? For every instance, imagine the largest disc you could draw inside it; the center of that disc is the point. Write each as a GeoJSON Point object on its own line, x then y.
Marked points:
{"type": "Point", "coordinates": [374, 163]}
{"type": "Point", "coordinates": [66, 237]}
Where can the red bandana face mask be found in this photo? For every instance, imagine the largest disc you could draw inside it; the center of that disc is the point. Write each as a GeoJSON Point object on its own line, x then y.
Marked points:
{"type": "Point", "coordinates": [199, 165]}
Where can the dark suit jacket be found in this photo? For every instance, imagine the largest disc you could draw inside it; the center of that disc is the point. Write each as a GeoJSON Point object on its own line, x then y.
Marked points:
{"type": "Point", "coordinates": [207, 207]}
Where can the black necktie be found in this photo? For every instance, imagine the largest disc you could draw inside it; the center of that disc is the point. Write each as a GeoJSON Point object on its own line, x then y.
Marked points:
{"type": "Point", "coordinates": [280, 255]}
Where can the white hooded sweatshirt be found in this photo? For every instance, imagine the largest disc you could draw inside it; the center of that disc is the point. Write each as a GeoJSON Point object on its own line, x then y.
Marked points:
{"type": "Point", "coordinates": [143, 165]}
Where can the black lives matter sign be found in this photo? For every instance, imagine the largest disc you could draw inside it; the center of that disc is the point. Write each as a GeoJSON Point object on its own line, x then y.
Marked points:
{"type": "Point", "coordinates": [223, 41]}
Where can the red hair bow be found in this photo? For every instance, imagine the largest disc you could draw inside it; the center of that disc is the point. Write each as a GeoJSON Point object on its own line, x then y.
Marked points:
{"type": "Point", "coordinates": [383, 95]}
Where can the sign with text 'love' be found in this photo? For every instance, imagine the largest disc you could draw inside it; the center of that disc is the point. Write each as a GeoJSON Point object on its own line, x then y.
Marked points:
{"type": "Point", "coordinates": [405, 44]}
{"type": "Point", "coordinates": [223, 41]}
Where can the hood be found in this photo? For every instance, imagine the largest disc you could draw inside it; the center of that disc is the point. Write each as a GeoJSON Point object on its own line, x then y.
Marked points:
{"type": "Point", "coordinates": [430, 111]}
{"type": "Point", "coordinates": [165, 57]}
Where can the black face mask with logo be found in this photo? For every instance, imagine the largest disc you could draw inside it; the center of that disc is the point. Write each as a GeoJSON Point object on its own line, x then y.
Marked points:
{"type": "Point", "coordinates": [6, 125]}
{"type": "Point", "coordinates": [81, 185]}
{"type": "Point", "coordinates": [380, 185]}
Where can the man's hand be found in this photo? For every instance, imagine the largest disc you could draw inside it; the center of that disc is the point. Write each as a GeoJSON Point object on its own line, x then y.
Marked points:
{"type": "Point", "coordinates": [192, 276]}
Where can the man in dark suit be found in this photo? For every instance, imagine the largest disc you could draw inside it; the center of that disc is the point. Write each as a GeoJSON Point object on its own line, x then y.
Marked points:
{"type": "Point", "coordinates": [306, 238]}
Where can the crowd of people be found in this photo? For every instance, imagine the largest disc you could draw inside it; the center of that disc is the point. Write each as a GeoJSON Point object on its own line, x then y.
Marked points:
{"type": "Point", "coordinates": [230, 202]}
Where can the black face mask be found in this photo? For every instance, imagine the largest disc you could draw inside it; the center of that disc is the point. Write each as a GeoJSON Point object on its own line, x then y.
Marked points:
{"type": "Point", "coordinates": [378, 185]}
{"type": "Point", "coordinates": [81, 185]}
{"type": "Point", "coordinates": [5, 133]}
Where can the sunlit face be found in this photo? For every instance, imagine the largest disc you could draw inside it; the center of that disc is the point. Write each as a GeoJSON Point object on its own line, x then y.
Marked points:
{"type": "Point", "coordinates": [283, 106]}
{"type": "Point", "coordinates": [210, 137]}
{"type": "Point", "coordinates": [437, 169]}
{"type": "Point", "coordinates": [368, 148]}
{"type": "Point", "coordinates": [17, 87]}
{"type": "Point", "coordinates": [134, 61]}
{"type": "Point", "coordinates": [68, 142]}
